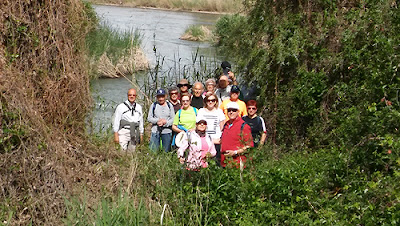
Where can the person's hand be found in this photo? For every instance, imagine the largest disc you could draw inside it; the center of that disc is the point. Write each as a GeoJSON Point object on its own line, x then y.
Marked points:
{"type": "Point", "coordinates": [164, 121]}
{"type": "Point", "coordinates": [231, 76]}
{"type": "Point", "coordinates": [160, 122]}
{"type": "Point", "coordinates": [116, 138]}
{"type": "Point", "coordinates": [230, 153]}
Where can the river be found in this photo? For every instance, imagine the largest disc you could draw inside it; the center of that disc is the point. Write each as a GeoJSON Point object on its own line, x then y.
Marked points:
{"type": "Point", "coordinates": [160, 31]}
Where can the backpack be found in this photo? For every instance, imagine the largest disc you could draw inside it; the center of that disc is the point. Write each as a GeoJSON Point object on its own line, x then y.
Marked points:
{"type": "Point", "coordinates": [179, 114]}
{"type": "Point", "coordinates": [130, 109]}
{"type": "Point", "coordinates": [154, 107]}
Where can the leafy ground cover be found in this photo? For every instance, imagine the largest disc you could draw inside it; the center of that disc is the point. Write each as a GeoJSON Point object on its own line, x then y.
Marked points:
{"type": "Point", "coordinates": [296, 188]}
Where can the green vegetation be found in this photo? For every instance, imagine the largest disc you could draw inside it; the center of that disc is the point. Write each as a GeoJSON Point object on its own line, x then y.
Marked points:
{"type": "Point", "coordinates": [231, 6]}
{"type": "Point", "coordinates": [197, 33]}
{"type": "Point", "coordinates": [113, 53]}
{"type": "Point", "coordinates": [110, 41]}
{"type": "Point", "coordinates": [331, 84]}
{"type": "Point", "coordinates": [296, 188]}
{"type": "Point", "coordinates": [328, 75]}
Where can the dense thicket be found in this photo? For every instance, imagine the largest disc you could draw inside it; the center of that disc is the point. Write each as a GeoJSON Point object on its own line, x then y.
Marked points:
{"type": "Point", "coordinates": [329, 71]}
{"type": "Point", "coordinates": [44, 100]}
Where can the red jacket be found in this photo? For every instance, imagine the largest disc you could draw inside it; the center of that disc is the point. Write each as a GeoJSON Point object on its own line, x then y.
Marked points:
{"type": "Point", "coordinates": [233, 139]}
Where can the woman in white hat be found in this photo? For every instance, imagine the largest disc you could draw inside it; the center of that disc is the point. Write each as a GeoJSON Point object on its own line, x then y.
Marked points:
{"type": "Point", "coordinates": [199, 144]}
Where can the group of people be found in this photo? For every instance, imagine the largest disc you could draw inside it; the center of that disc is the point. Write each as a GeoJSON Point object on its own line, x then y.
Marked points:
{"type": "Point", "coordinates": [207, 121]}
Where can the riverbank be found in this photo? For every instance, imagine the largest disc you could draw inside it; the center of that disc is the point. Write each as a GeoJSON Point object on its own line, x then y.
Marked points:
{"type": "Point", "coordinates": [202, 6]}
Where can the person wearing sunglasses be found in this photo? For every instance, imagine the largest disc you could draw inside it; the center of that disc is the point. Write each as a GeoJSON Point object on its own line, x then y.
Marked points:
{"type": "Point", "coordinates": [184, 87]}
{"type": "Point", "coordinates": [256, 123]}
{"type": "Point", "coordinates": [236, 138]}
{"type": "Point", "coordinates": [200, 146]}
{"type": "Point", "coordinates": [128, 123]}
{"type": "Point", "coordinates": [174, 98]}
{"type": "Point", "coordinates": [215, 118]}
{"type": "Point", "coordinates": [185, 118]}
{"type": "Point", "coordinates": [234, 97]}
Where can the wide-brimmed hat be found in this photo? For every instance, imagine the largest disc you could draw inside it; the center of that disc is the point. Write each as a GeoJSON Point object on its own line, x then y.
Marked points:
{"type": "Point", "coordinates": [184, 82]}
{"type": "Point", "coordinates": [180, 139]}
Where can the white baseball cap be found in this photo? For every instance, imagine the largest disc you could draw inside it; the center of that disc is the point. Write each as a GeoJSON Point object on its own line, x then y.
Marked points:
{"type": "Point", "coordinates": [232, 105]}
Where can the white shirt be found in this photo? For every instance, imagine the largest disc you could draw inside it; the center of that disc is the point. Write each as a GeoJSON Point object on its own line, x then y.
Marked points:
{"type": "Point", "coordinates": [133, 115]}
{"type": "Point", "coordinates": [213, 119]}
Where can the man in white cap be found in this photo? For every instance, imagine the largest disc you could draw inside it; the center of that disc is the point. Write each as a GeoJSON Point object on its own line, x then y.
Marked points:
{"type": "Point", "coordinates": [236, 137]}
{"type": "Point", "coordinates": [128, 123]}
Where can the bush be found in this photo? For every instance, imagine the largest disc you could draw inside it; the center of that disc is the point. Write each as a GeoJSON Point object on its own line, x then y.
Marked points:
{"type": "Point", "coordinates": [319, 187]}
{"type": "Point", "coordinates": [330, 72]}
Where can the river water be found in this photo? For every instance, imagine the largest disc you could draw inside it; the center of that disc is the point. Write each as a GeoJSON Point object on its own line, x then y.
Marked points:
{"type": "Point", "coordinates": [160, 31]}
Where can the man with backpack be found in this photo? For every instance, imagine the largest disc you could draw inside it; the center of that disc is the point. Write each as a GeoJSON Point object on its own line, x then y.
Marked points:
{"type": "Point", "coordinates": [256, 123]}
{"type": "Point", "coordinates": [236, 138]}
{"type": "Point", "coordinates": [161, 115]}
{"type": "Point", "coordinates": [128, 123]}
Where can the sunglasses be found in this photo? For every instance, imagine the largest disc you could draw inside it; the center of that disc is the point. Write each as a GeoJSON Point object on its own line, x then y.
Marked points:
{"type": "Point", "coordinates": [181, 85]}
{"type": "Point", "coordinates": [131, 95]}
{"type": "Point", "coordinates": [211, 100]}
{"type": "Point", "coordinates": [173, 93]}
{"type": "Point", "coordinates": [251, 108]}
{"type": "Point", "coordinates": [232, 110]}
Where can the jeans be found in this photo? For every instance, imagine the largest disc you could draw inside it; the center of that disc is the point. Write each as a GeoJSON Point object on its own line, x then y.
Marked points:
{"type": "Point", "coordinates": [155, 141]}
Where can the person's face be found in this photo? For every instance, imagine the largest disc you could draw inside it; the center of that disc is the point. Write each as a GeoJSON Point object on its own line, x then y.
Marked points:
{"type": "Point", "coordinates": [173, 95]}
{"type": "Point", "coordinates": [185, 102]}
{"type": "Point", "coordinates": [251, 110]}
{"type": "Point", "coordinates": [197, 90]}
{"type": "Point", "coordinates": [234, 96]}
{"type": "Point", "coordinates": [223, 81]}
{"type": "Point", "coordinates": [233, 113]}
{"type": "Point", "coordinates": [211, 102]}
{"type": "Point", "coordinates": [132, 95]}
{"type": "Point", "coordinates": [184, 88]}
{"type": "Point", "coordinates": [210, 88]}
{"type": "Point", "coordinates": [201, 126]}
{"type": "Point", "coordinates": [161, 99]}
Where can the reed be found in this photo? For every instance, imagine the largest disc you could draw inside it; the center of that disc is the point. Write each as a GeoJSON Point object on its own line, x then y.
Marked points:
{"type": "Point", "coordinates": [113, 53]}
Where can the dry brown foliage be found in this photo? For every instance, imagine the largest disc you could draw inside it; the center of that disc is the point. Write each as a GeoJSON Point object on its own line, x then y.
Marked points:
{"type": "Point", "coordinates": [135, 61]}
{"type": "Point", "coordinates": [44, 83]}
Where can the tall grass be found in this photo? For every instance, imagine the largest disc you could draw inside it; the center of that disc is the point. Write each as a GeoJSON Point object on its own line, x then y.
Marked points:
{"type": "Point", "coordinates": [299, 188]}
{"type": "Point", "coordinates": [225, 6]}
{"type": "Point", "coordinates": [111, 41]}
